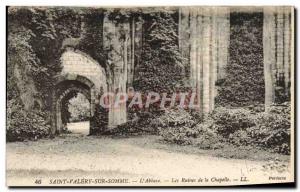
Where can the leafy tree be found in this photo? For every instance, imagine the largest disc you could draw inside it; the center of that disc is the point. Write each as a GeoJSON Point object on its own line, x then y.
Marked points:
{"type": "Point", "coordinates": [79, 108]}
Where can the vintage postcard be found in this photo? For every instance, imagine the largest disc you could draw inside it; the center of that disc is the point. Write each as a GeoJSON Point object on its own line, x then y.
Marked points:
{"type": "Point", "coordinates": [150, 96]}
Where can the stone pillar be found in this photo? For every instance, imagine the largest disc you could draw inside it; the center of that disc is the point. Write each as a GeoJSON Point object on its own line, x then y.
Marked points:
{"type": "Point", "coordinates": [59, 123]}
{"type": "Point", "coordinates": [269, 55]}
{"type": "Point", "coordinates": [287, 39]}
{"type": "Point", "coordinates": [114, 43]}
{"type": "Point", "coordinates": [184, 37]}
{"type": "Point", "coordinates": [119, 41]}
{"type": "Point", "coordinates": [204, 35]}
{"type": "Point", "coordinates": [222, 38]}
{"type": "Point", "coordinates": [137, 37]}
{"type": "Point", "coordinates": [199, 59]}
{"type": "Point", "coordinates": [277, 40]}
{"type": "Point", "coordinates": [207, 59]}
{"type": "Point", "coordinates": [193, 50]}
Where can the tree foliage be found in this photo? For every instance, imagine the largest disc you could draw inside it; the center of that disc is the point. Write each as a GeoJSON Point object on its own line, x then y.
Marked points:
{"type": "Point", "coordinates": [79, 108]}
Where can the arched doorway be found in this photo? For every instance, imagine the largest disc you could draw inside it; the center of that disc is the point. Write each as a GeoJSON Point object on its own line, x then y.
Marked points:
{"type": "Point", "coordinates": [67, 87]}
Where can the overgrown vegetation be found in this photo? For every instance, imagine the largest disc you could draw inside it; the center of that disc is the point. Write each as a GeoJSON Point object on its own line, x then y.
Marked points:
{"type": "Point", "coordinates": [35, 36]}
{"type": "Point", "coordinates": [79, 108]}
{"type": "Point", "coordinates": [161, 69]}
{"type": "Point", "coordinates": [91, 38]}
{"type": "Point", "coordinates": [244, 81]}
{"type": "Point", "coordinates": [238, 127]}
{"type": "Point", "coordinates": [23, 125]}
{"type": "Point", "coordinates": [138, 125]}
{"type": "Point", "coordinates": [181, 128]}
{"type": "Point", "coordinates": [36, 40]}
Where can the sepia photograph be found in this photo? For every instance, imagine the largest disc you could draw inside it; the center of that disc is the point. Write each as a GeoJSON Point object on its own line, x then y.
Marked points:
{"type": "Point", "coordinates": [150, 96]}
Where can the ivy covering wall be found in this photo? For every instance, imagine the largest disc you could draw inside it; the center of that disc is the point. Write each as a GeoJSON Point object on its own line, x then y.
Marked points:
{"type": "Point", "coordinates": [35, 37]}
{"type": "Point", "coordinates": [162, 68]}
{"type": "Point", "coordinates": [243, 84]}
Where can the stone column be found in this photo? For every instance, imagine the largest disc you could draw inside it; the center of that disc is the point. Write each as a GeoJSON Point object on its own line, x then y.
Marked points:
{"type": "Point", "coordinates": [206, 58]}
{"type": "Point", "coordinates": [184, 36]}
{"type": "Point", "coordinates": [204, 35]}
{"type": "Point", "coordinates": [277, 40]}
{"type": "Point", "coordinates": [114, 43]}
{"type": "Point", "coordinates": [222, 38]}
{"type": "Point", "coordinates": [269, 55]}
{"type": "Point", "coordinates": [137, 37]}
{"type": "Point", "coordinates": [122, 43]}
{"type": "Point", "coordinates": [287, 39]}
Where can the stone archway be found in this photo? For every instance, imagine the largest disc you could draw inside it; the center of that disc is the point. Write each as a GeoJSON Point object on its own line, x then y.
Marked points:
{"type": "Point", "coordinates": [65, 88]}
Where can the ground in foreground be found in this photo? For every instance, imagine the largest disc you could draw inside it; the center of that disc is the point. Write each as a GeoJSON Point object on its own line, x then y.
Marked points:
{"type": "Point", "coordinates": [136, 158]}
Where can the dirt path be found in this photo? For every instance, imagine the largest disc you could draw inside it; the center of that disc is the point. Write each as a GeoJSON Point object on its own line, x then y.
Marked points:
{"type": "Point", "coordinates": [78, 156]}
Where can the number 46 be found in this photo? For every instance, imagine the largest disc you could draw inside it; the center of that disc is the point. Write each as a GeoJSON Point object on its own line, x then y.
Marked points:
{"type": "Point", "coordinates": [38, 181]}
